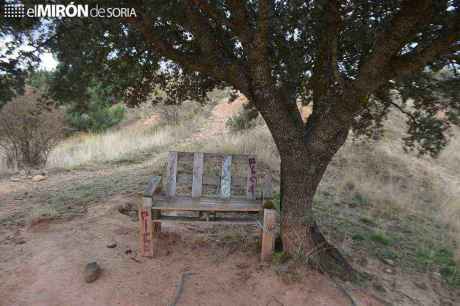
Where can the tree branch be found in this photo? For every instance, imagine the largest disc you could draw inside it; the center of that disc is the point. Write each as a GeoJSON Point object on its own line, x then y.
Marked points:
{"type": "Point", "coordinates": [403, 65]}
{"type": "Point", "coordinates": [325, 70]}
{"type": "Point", "coordinates": [238, 18]}
{"type": "Point", "coordinates": [230, 72]}
{"type": "Point", "coordinates": [388, 43]}
{"type": "Point", "coordinates": [409, 115]}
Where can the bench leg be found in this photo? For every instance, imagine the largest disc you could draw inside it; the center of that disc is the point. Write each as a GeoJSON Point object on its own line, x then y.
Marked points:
{"type": "Point", "coordinates": [156, 231]}
{"type": "Point", "coordinates": [145, 228]}
{"type": "Point", "coordinates": [268, 235]}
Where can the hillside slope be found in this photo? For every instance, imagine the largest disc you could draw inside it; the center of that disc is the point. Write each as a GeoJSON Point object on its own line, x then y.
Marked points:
{"type": "Point", "coordinates": [395, 216]}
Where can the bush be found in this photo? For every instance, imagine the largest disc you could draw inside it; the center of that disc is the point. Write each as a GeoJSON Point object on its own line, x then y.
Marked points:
{"type": "Point", "coordinates": [244, 120]}
{"type": "Point", "coordinates": [98, 119]}
{"type": "Point", "coordinates": [174, 114]}
{"type": "Point", "coordinates": [30, 126]}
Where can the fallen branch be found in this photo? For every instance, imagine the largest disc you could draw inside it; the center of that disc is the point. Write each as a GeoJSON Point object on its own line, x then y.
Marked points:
{"type": "Point", "coordinates": [179, 287]}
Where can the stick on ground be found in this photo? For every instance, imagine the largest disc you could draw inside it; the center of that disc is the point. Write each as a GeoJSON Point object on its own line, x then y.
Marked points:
{"type": "Point", "coordinates": [179, 287]}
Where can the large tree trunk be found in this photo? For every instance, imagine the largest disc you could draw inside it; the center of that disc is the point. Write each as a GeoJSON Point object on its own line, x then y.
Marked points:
{"type": "Point", "coordinates": [302, 168]}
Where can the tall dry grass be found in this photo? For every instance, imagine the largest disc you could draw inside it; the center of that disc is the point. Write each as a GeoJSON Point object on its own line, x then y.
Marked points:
{"type": "Point", "coordinates": [114, 145]}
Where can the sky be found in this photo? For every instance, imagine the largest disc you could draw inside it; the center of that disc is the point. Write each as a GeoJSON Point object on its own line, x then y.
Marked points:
{"type": "Point", "coordinates": [48, 62]}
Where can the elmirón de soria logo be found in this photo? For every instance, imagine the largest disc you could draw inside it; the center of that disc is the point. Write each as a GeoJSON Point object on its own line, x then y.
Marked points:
{"type": "Point", "coordinates": [16, 10]}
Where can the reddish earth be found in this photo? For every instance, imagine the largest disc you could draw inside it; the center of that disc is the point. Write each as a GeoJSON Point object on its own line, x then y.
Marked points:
{"type": "Point", "coordinates": [43, 266]}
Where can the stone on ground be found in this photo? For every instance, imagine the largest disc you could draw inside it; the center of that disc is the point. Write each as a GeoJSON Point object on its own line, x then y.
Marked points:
{"type": "Point", "coordinates": [92, 272]}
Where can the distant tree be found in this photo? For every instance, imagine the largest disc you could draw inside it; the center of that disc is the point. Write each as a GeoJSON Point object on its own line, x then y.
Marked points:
{"type": "Point", "coordinates": [347, 58]}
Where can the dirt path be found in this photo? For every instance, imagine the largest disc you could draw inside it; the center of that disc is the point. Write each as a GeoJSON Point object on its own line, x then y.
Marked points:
{"type": "Point", "coordinates": [218, 119]}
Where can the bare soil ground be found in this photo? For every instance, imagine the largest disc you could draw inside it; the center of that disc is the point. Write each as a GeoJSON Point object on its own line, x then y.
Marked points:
{"type": "Point", "coordinates": [43, 265]}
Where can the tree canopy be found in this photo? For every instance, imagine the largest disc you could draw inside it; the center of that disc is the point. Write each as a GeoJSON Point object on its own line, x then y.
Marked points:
{"type": "Point", "coordinates": [378, 46]}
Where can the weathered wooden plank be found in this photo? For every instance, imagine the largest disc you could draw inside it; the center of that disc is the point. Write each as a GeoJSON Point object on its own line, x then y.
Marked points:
{"type": "Point", "coordinates": [153, 185]}
{"type": "Point", "coordinates": [145, 228]}
{"type": "Point", "coordinates": [252, 178]}
{"type": "Point", "coordinates": [226, 180]}
{"type": "Point", "coordinates": [207, 204]}
{"type": "Point", "coordinates": [171, 174]}
{"type": "Point", "coordinates": [197, 184]}
{"type": "Point", "coordinates": [184, 179]}
{"type": "Point", "coordinates": [267, 188]}
{"type": "Point", "coordinates": [268, 236]}
{"type": "Point", "coordinates": [216, 180]}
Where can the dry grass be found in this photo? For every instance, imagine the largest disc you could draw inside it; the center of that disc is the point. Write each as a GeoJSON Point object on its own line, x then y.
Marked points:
{"type": "Point", "coordinates": [256, 141]}
{"type": "Point", "coordinates": [113, 145]}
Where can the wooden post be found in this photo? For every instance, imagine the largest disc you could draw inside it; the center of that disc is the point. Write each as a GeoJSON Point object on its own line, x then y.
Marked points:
{"type": "Point", "coordinates": [268, 236]}
{"type": "Point", "coordinates": [267, 189]}
{"type": "Point", "coordinates": [145, 228]}
{"type": "Point", "coordinates": [156, 230]}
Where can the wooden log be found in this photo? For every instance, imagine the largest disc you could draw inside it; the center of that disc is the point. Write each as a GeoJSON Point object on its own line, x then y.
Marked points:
{"type": "Point", "coordinates": [197, 184]}
{"type": "Point", "coordinates": [171, 174]}
{"type": "Point", "coordinates": [268, 236]}
{"type": "Point", "coordinates": [145, 228]}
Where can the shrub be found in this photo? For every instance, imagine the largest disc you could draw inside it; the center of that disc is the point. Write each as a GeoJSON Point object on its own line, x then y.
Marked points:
{"type": "Point", "coordinates": [244, 120]}
{"type": "Point", "coordinates": [98, 119]}
{"type": "Point", "coordinates": [30, 126]}
{"type": "Point", "coordinates": [173, 114]}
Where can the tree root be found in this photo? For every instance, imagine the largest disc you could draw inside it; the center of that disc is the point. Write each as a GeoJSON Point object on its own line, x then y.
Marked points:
{"type": "Point", "coordinates": [327, 258]}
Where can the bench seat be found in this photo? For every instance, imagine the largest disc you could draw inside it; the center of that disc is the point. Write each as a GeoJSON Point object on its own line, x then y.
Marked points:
{"type": "Point", "coordinates": [220, 183]}
{"type": "Point", "coordinates": [212, 204]}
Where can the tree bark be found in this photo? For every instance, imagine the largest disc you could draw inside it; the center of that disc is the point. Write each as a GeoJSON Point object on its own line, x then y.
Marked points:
{"type": "Point", "coordinates": [302, 168]}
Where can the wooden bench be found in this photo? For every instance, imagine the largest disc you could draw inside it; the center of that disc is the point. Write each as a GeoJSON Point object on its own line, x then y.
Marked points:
{"type": "Point", "coordinates": [205, 183]}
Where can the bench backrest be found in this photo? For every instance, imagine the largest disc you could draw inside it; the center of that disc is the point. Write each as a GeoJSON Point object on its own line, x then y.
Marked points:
{"type": "Point", "coordinates": [226, 173]}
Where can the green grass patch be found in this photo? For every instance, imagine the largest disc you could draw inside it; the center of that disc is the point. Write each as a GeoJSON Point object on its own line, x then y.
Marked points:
{"type": "Point", "coordinates": [380, 238]}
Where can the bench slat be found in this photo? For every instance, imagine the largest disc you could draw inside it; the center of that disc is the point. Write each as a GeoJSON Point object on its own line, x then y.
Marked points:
{"type": "Point", "coordinates": [226, 180]}
{"type": "Point", "coordinates": [206, 204]}
{"type": "Point", "coordinates": [252, 178]}
{"type": "Point", "coordinates": [171, 174]}
{"type": "Point", "coordinates": [197, 184]}
{"type": "Point", "coordinates": [154, 183]}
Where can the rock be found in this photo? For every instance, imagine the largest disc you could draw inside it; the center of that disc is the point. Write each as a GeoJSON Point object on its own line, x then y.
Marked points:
{"type": "Point", "coordinates": [379, 287]}
{"type": "Point", "coordinates": [389, 271]}
{"type": "Point", "coordinates": [388, 262]}
{"type": "Point", "coordinates": [39, 178]}
{"type": "Point", "coordinates": [112, 245]}
{"type": "Point", "coordinates": [437, 275]}
{"type": "Point", "coordinates": [421, 285]}
{"type": "Point", "coordinates": [92, 272]}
